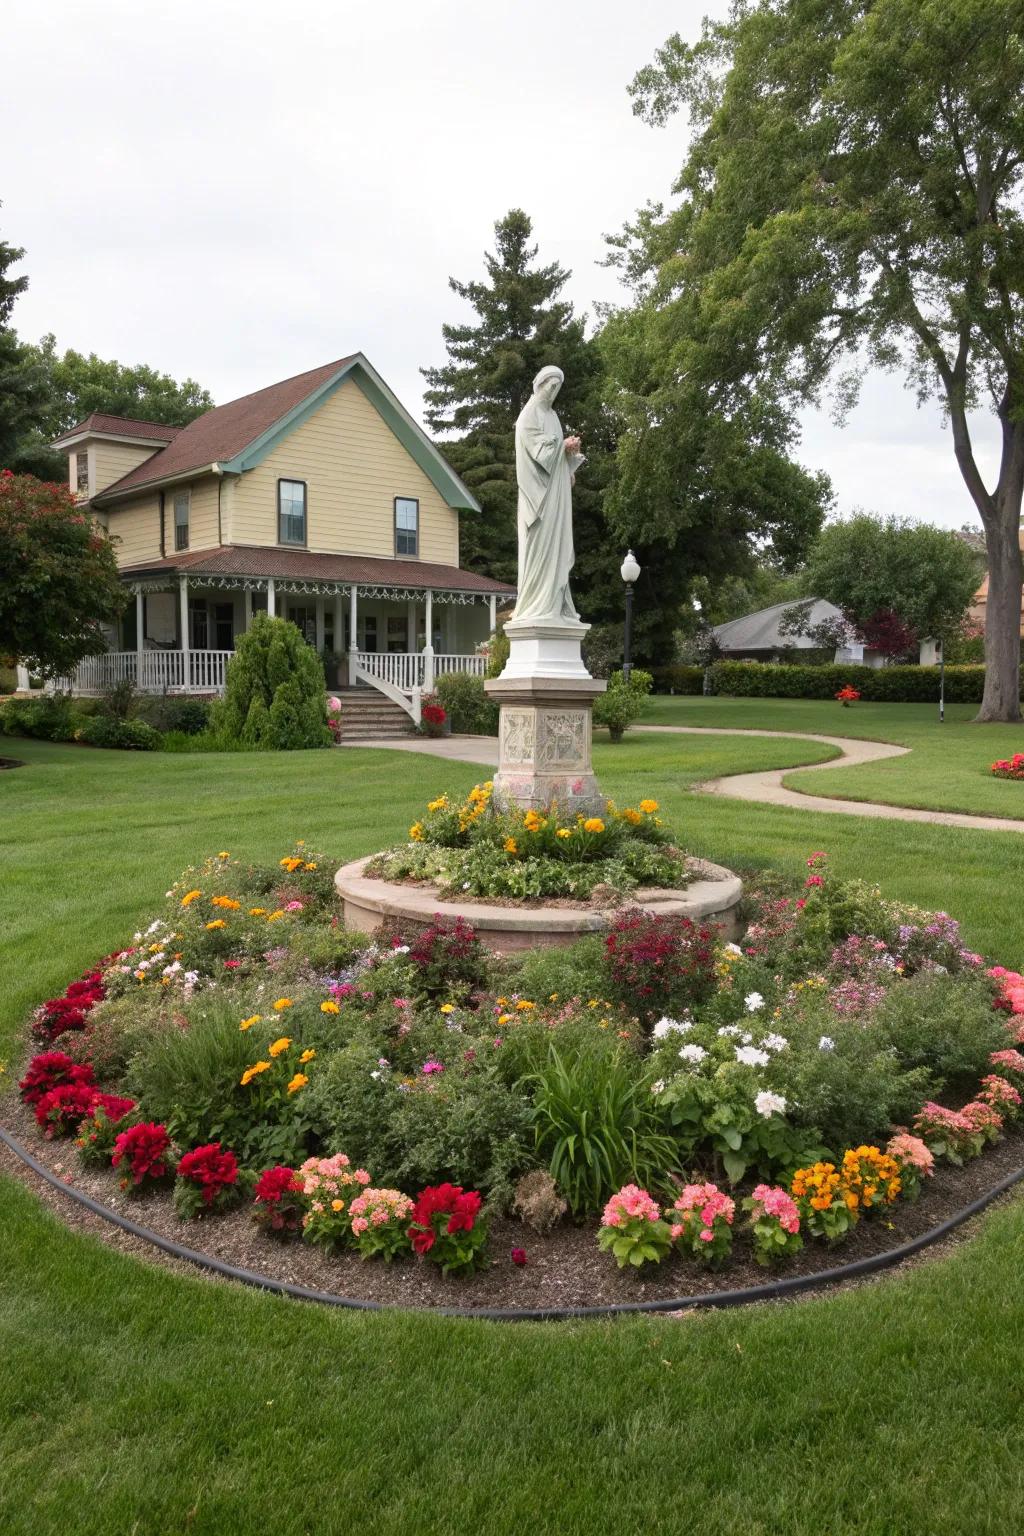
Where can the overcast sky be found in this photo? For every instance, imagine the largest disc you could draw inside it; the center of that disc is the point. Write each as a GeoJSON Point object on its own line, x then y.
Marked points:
{"type": "Point", "coordinates": [240, 191]}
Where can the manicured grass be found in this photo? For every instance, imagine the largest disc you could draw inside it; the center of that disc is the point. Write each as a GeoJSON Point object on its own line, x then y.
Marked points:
{"type": "Point", "coordinates": [947, 769]}
{"type": "Point", "coordinates": [135, 1400]}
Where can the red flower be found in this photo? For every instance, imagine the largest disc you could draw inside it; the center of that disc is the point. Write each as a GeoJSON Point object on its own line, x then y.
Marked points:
{"type": "Point", "coordinates": [211, 1167]}
{"type": "Point", "coordinates": [422, 1242]}
{"type": "Point", "coordinates": [146, 1150]}
{"type": "Point", "coordinates": [62, 1109]}
{"type": "Point", "coordinates": [51, 1069]}
{"type": "Point", "coordinates": [519, 1256]}
{"type": "Point", "coordinates": [465, 1213]}
{"type": "Point", "coordinates": [275, 1183]}
{"type": "Point", "coordinates": [113, 1105]}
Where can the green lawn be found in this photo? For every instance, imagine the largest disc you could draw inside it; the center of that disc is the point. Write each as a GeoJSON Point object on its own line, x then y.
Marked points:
{"type": "Point", "coordinates": [947, 769]}
{"type": "Point", "coordinates": [134, 1400]}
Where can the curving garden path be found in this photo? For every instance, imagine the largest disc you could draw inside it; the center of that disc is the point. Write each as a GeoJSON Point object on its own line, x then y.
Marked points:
{"type": "Point", "coordinates": [762, 788]}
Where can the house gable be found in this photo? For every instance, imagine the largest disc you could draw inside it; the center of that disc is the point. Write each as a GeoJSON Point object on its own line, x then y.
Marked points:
{"type": "Point", "coordinates": [353, 450]}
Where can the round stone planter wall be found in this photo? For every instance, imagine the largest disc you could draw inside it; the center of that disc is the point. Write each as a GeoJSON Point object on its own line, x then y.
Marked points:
{"type": "Point", "coordinates": [711, 897]}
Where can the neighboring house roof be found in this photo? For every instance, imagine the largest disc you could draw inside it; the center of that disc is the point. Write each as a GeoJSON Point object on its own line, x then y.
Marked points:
{"type": "Point", "coordinates": [236, 436]}
{"type": "Point", "coordinates": [118, 426]}
{"type": "Point", "coordinates": [760, 631]}
{"type": "Point", "coordinates": [302, 565]}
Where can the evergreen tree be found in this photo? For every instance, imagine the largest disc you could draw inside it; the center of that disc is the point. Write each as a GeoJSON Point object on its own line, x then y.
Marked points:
{"type": "Point", "coordinates": [23, 382]}
{"type": "Point", "coordinates": [473, 400]}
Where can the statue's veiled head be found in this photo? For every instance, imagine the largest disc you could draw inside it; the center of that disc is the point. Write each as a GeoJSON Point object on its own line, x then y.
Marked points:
{"type": "Point", "coordinates": [547, 383]}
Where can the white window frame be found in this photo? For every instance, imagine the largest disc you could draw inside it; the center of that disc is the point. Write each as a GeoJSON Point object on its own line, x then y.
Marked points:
{"type": "Point", "coordinates": [182, 498]}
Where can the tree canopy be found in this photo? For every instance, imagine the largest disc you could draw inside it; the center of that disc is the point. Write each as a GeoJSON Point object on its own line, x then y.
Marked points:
{"type": "Point", "coordinates": [852, 193]}
{"type": "Point", "coordinates": [58, 577]}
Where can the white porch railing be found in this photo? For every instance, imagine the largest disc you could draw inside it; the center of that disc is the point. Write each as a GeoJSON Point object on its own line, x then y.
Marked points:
{"type": "Point", "coordinates": [402, 669]}
{"type": "Point", "coordinates": [476, 665]}
{"type": "Point", "coordinates": [151, 672]}
{"type": "Point", "coordinates": [405, 676]}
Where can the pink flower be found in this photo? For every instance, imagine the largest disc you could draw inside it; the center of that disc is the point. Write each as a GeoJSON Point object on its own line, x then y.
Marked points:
{"type": "Point", "coordinates": [813, 880]}
{"type": "Point", "coordinates": [232, 965]}
{"type": "Point", "coordinates": [430, 1067]}
{"type": "Point", "coordinates": [294, 906]}
{"type": "Point", "coordinates": [519, 1256]}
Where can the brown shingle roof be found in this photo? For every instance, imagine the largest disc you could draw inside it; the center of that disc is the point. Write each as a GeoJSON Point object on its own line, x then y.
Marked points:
{"type": "Point", "coordinates": [222, 433]}
{"type": "Point", "coordinates": [304, 565]}
{"type": "Point", "coordinates": [121, 426]}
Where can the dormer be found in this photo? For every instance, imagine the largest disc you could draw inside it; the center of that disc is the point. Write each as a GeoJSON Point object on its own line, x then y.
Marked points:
{"type": "Point", "coordinates": [101, 449]}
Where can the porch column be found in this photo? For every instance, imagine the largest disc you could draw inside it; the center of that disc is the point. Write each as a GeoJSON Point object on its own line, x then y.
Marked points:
{"type": "Point", "coordinates": [428, 649]}
{"type": "Point", "coordinates": [183, 623]}
{"type": "Point", "coordinates": [410, 624]}
{"type": "Point", "coordinates": [494, 611]}
{"type": "Point", "coordinates": [271, 603]}
{"type": "Point", "coordinates": [319, 626]}
{"type": "Point", "coordinates": [339, 625]}
{"type": "Point", "coordinates": [353, 634]}
{"type": "Point", "coordinates": [140, 630]}
{"type": "Point", "coordinates": [247, 609]}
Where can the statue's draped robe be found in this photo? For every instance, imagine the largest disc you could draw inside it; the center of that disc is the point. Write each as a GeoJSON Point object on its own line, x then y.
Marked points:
{"type": "Point", "coordinates": [544, 473]}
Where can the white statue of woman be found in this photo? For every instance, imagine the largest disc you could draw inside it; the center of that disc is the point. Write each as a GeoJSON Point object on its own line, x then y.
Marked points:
{"type": "Point", "coordinates": [545, 465]}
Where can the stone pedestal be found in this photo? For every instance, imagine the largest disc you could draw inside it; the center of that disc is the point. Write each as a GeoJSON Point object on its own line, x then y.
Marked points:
{"type": "Point", "coordinates": [544, 732]}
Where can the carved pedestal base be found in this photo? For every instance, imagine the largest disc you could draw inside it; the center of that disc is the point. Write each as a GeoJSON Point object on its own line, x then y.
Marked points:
{"type": "Point", "coordinates": [544, 743]}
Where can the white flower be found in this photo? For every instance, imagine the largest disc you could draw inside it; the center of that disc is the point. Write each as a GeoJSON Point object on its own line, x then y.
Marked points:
{"type": "Point", "coordinates": [191, 977]}
{"type": "Point", "coordinates": [659, 1086]}
{"type": "Point", "coordinates": [376, 1076]}
{"type": "Point", "coordinates": [157, 923]}
{"type": "Point", "coordinates": [774, 1042]}
{"type": "Point", "coordinates": [665, 1027]}
{"type": "Point", "coordinates": [826, 1043]}
{"type": "Point", "coordinates": [753, 1001]}
{"type": "Point", "coordinates": [400, 949]}
{"type": "Point", "coordinates": [733, 949]}
{"type": "Point", "coordinates": [694, 1053]}
{"type": "Point", "coordinates": [768, 1104]}
{"type": "Point", "coordinates": [136, 938]}
{"type": "Point", "coordinates": [729, 1031]}
{"type": "Point", "coordinates": [173, 968]}
{"type": "Point", "coordinates": [750, 1056]}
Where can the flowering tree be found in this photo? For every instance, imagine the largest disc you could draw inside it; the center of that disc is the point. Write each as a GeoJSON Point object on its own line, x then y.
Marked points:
{"type": "Point", "coordinates": [58, 577]}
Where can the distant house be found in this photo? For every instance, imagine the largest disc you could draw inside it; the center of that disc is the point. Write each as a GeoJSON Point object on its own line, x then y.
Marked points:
{"type": "Point", "coordinates": [979, 607]}
{"type": "Point", "coordinates": [758, 636]}
{"type": "Point", "coordinates": [318, 499]}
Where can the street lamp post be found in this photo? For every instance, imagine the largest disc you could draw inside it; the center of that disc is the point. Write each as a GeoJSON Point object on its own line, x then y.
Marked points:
{"type": "Point", "coordinates": [629, 571]}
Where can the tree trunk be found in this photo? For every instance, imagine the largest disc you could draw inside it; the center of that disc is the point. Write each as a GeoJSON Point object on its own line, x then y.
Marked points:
{"type": "Point", "coordinates": [1001, 700]}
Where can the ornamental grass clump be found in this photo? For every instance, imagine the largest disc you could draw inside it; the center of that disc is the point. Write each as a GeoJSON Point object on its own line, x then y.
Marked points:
{"type": "Point", "coordinates": [632, 1229]}
{"type": "Point", "coordinates": [449, 1228]}
{"type": "Point", "coordinates": [701, 1223]}
{"type": "Point", "coordinates": [774, 1224]}
{"type": "Point", "coordinates": [277, 1202]}
{"type": "Point", "coordinates": [379, 1218]}
{"type": "Point", "coordinates": [207, 1179]}
{"type": "Point", "coordinates": [144, 1154]}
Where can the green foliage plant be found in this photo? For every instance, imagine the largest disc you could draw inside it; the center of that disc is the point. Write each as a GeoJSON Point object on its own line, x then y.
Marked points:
{"type": "Point", "coordinates": [275, 697]}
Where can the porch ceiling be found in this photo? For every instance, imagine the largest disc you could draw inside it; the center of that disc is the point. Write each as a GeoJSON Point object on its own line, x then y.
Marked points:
{"type": "Point", "coordinates": [303, 570]}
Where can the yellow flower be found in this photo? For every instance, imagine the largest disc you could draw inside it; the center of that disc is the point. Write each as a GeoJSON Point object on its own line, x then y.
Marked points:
{"type": "Point", "coordinates": [307, 1055]}
{"type": "Point", "coordinates": [329, 1006]}
{"type": "Point", "coordinates": [227, 902]}
{"type": "Point", "coordinates": [291, 865]}
{"type": "Point", "coordinates": [447, 1007]}
{"type": "Point", "coordinates": [502, 1002]}
{"type": "Point", "coordinates": [299, 1081]}
{"type": "Point", "coordinates": [254, 1018]}
{"type": "Point", "coordinates": [224, 854]}
{"type": "Point", "coordinates": [593, 824]}
{"type": "Point", "coordinates": [524, 1006]}
{"type": "Point", "coordinates": [504, 1018]}
{"type": "Point", "coordinates": [564, 832]}
{"type": "Point", "coordinates": [633, 817]}
{"type": "Point", "coordinates": [440, 804]}
{"type": "Point", "coordinates": [218, 922]}
{"type": "Point", "coordinates": [273, 917]}
{"type": "Point", "coordinates": [280, 1045]}
{"type": "Point", "coordinates": [251, 1072]}
{"type": "Point", "coordinates": [553, 998]}
{"type": "Point", "coordinates": [309, 866]}
{"type": "Point", "coordinates": [416, 832]}
{"type": "Point", "coordinates": [648, 807]}
{"type": "Point", "coordinates": [281, 1004]}
{"type": "Point", "coordinates": [533, 821]}
{"type": "Point", "coordinates": [257, 911]}
{"type": "Point", "coordinates": [192, 896]}
{"type": "Point", "coordinates": [510, 845]}
{"type": "Point", "coordinates": [337, 1205]}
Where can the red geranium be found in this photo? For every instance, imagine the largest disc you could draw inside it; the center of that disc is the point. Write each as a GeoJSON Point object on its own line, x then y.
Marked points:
{"type": "Point", "coordinates": [278, 1207]}
{"type": "Point", "coordinates": [52, 1069]}
{"type": "Point", "coordinates": [434, 714]}
{"type": "Point", "coordinates": [1009, 767]}
{"type": "Point", "coordinates": [446, 1228]}
{"type": "Point", "coordinates": [61, 1110]}
{"type": "Point", "coordinates": [59, 1014]}
{"type": "Point", "coordinates": [146, 1149]}
{"type": "Point", "coordinates": [211, 1176]}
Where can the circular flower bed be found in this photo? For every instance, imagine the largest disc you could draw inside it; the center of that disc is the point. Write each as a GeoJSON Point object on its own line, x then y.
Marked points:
{"type": "Point", "coordinates": [1009, 767]}
{"type": "Point", "coordinates": [427, 1122]}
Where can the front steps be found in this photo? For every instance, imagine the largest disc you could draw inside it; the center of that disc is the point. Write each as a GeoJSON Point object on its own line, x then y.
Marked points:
{"type": "Point", "coordinates": [367, 715]}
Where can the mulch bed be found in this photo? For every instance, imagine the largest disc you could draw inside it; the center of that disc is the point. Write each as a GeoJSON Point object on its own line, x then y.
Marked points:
{"type": "Point", "coordinates": [11, 762]}
{"type": "Point", "coordinates": [563, 1269]}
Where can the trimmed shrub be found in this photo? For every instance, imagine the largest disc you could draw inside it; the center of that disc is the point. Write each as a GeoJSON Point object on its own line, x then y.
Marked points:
{"type": "Point", "coordinates": [50, 718]}
{"type": "Point", "coordinates": [678, 679]}
{"type": "Point", "coordinates": [888, 685]}
{"type": "Point", "coordinates": [113, 731]}
{"type": "Point", "coordinates": [623, 703]}
{"type": "Point", "coordinates": [467, 706]}
{"type": "Point", "coordinates": [275, 699]}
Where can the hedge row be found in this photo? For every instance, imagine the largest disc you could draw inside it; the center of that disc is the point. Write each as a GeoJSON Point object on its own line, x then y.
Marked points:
{"type": "Point", "coordinates": [678, 679]}
{"type": "Point", "coordinates": [890, 685]}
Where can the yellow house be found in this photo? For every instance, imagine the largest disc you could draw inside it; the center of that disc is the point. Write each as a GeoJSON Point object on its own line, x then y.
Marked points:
{"type": "Point", "coordinates": [318, 499]}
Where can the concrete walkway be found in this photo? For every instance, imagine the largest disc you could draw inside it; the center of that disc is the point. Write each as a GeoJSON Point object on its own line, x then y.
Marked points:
{"type": "Point", "coordinates": [763, 788]}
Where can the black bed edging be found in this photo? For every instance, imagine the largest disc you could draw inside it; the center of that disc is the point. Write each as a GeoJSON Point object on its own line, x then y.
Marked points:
{"type": "Point", "coordinates": [771, 1290]}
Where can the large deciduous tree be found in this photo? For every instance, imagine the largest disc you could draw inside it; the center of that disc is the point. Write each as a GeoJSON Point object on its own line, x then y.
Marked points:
{"type": "Point", "coordinates": [58, 577]}
{"type": "Point", "coordinates": [853, 191]}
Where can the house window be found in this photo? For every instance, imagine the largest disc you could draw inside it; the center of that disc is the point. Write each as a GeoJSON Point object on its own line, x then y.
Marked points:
{"type": "Point", "coordinates": [182, 503]}
{"type": "Point", "coordinates": [398, 633]}
{"type": "Point", "coordinates": [407, 525]}
{"type": "Point", "coordinates": [304, 620]}
{"type": "Point", "coordinates": [82, 471]}
{"type": "Point", "coordinates": [224, 626]}
{"type": "Point", "coordinates": [291, 511]}
{"type": "Point", "coordinates": [199, 626]}
{"type": "Point", "coordinates": [367, 632]}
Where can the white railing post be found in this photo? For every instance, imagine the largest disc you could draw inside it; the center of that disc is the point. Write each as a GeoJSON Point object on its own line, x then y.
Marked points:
{"type": "Point", "coordinates": [140, 634]}
{"type": "Point", "coordinates": [428, 649]}
{"type": "Point", "coordinates": [183, 620]}
{"type": "Point", "coordinates": [353, 640]}
{"type": "Point", "coordinates": [417, 706]}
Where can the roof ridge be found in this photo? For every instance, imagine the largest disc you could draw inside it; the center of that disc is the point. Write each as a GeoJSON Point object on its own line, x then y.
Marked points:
{"type": "Point", "coordinates": [302, 373]}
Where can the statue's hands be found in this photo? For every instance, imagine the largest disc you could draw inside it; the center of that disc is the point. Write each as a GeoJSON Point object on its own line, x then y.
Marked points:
{"type": "Point", "coordinates": [572, 445]}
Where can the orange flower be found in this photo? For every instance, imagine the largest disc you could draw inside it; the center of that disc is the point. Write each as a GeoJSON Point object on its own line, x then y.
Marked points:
{"type": "Point", "coordinates": [299, 1081]}
{"type": "Point", "coordinates": [254, 1071]}
{"type": "Point", "coordinates": [281, 1004]}
{"type": "Point", "coordinates": [307, 1055]}
{"type": "Point", "coordinates": [190, 897]}
{"type": "Point", "coordinates": [218, 922]}
{"type": "Point", "coordinates": [280, 1045]}
{"type": "Point", "coordinates": [254, 1018]}
{"type": "Point", "coordinates": [329, 1006]}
